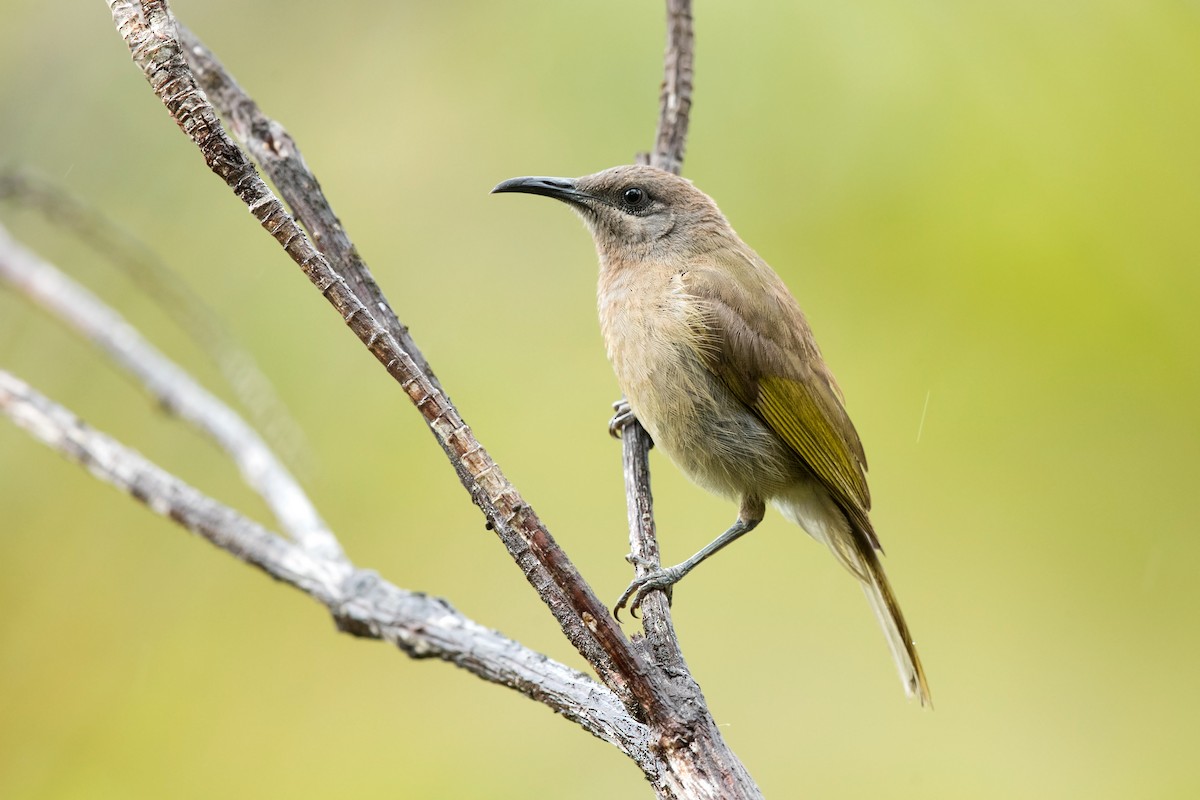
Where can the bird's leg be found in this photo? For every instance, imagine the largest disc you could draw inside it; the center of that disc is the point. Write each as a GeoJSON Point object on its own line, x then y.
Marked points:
{"type": "Point", "coordinates": [623, 417]}
{"type": "Point", "coordinates": [749, 515]}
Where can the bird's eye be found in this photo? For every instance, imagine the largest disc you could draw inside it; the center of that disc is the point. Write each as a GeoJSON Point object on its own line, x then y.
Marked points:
{"type": "Point", "coordinates": [634, 197]}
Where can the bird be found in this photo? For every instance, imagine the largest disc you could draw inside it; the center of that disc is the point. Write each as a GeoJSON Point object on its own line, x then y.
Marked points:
{"type": "Point", "coordinates": [718, 363]}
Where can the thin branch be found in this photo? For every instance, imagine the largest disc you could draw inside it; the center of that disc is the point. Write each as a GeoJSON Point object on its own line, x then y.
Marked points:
{"type": "Point", "coordinates": [674, 107]}
{"type": "Point", "coordinates": [676, 100]}
{"type": "Point", "coordinates": [164, 494]}
{"type": "Point", "coordinates": [155, 277]}
{"type": "Point", "coordinates": [643, 542]}
{"type": "Point", "coordinates": [361, 603]}
{"type": "Point", "coordinates": [277, 153]}
{"type": "Point", "coordinates": [173, 388]}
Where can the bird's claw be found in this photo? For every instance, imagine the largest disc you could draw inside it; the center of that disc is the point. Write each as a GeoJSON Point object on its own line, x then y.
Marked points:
{"type": "Point", "coordinates": [623, 417]}
{"type": "Point", "coordinates": [657, 579]}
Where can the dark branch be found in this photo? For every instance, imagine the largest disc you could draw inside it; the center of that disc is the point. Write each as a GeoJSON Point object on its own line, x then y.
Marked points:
{"type": "Point", "coordinates": [277, 153]}
{"type": "Point", "coordinates": [582, 617]}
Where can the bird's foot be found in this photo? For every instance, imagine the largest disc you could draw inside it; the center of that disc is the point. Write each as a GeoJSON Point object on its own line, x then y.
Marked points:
{"type": "Point", "coordinates": [623, 417]}
{"type": "Point", "coordinates": [657, 578]}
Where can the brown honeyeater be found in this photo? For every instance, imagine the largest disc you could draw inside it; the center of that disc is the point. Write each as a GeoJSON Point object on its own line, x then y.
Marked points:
{"type": "Point", "coordinates": [719, 365]}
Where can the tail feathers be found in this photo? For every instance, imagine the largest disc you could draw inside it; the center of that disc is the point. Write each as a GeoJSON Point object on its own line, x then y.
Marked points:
{"type": "Point", "coordinates": [854, 546]}
{"type": "Point", "coordinates": [887, 610]}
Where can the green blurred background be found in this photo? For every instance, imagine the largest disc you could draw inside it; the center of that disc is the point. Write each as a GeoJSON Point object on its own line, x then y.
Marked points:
{"type": "Point", "coordinates": [989, 212]}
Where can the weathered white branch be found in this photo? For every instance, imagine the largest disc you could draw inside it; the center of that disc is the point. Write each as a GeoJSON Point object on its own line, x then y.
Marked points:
{"type": "Point", "coordinates": [173, 389]}
{"type": "Point", "coordinates": [361, 603]}
{"type": "Point", "coordinates": [156, 278]}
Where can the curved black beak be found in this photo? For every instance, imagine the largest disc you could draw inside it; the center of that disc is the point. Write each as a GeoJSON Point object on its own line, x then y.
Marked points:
{"type": "Point", "coordinates": [559, 188]}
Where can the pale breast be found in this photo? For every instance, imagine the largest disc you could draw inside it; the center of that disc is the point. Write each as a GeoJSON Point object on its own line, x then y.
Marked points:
{"type": "Point", "coordinates": [650, 327]}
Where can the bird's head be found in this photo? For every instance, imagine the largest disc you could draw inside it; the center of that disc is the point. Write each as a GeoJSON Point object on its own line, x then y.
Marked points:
{"type": "Point", "coordinates": [634, 212]}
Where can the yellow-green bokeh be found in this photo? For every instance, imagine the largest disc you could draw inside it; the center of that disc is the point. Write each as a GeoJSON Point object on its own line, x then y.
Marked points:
{"type": "Point", "coordinates": [989, 212]}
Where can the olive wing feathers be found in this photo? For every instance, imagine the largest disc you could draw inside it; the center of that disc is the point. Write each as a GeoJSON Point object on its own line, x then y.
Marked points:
{"type": "Point", "coordinates": [759, 344]}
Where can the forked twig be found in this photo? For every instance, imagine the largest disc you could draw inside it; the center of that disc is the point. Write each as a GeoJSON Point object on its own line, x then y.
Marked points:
{"type": "Point", "coordinates": [173, 388]}
{"type": "Point", "coordinates": [168, 289]}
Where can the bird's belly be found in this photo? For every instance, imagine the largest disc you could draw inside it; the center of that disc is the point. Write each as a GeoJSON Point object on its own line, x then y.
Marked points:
{"type": "Point", "coordinates": [711, 435]}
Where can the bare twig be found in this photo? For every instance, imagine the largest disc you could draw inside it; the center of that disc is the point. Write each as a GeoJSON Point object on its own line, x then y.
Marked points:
{"type": "Point", "coordinates": [361, 603]}
{"type": "Point", "coordinates": [113, 463]}
{"type": "Point", "coordinates": [676, 100]}
{"type": "Point", "coordinates": [173, 388]}
{"type": "Point", "coordinates": [655, 607]}
{"type": "Point", "coordinates": [155, 277]}
{"type": "Point", "coordinates": [277, 153]}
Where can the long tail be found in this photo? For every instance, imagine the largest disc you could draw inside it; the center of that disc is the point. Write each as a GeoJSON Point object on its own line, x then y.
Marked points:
{"type": "Point", "coordinates": [891, 619]}
{"type": "Point", "coordinates": [853, 545]}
